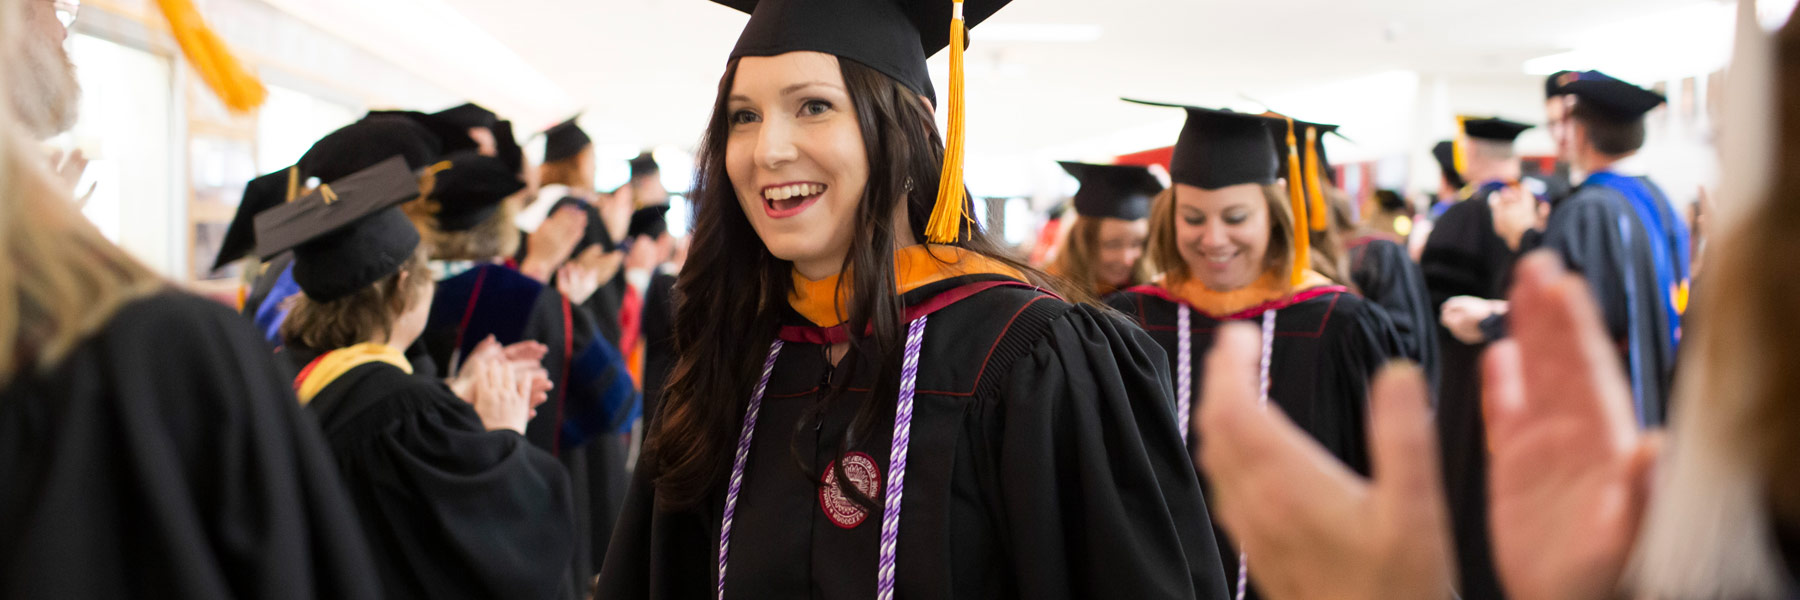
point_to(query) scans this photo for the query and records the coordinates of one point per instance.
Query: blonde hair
(1074, 261)
(1164, 252)
(492, 238)
(61, 280)
(361, 316)
(1727, 478)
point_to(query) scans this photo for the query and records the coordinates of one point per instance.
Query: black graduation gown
(593, 401)
(1390, 279)
(1044, 464)
(659, 339)
(1329, 343)
(450, 509)
(130, 470)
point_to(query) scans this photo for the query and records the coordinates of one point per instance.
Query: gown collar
(823, 303)
(1271, 290)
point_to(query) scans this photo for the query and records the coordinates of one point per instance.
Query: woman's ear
(929, 108)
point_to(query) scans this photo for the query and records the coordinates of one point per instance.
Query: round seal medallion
(863, 473)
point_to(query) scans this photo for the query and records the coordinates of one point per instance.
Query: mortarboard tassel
(1297, 200)
(236, 88)
(1315, 185)
(1459, 149)
(947, 217)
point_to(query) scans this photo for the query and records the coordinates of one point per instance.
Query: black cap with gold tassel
(893, 37)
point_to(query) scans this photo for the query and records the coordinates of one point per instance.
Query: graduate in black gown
(349, 149)
(1618, 231)
(454, 500)
(1388, 277)
(149, 447)
(466, 221)
(1466, 263)
(1104, 251)
(1233, 245)
(869, 399)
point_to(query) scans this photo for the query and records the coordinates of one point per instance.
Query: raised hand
(1568, 469)
(1312, 528)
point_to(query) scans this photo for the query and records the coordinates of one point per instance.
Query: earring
(909, 184)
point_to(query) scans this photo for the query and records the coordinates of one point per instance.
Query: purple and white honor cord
(737, 463)
(1184, 371)
(896, 483)
(1262, 400)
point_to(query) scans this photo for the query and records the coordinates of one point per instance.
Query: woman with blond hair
(1104, 251)
(148, 443)
(1234, 246)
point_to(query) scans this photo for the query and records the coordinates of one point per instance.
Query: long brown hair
(60, 279)
(1727, 481)
(1074, 262)
(731, 291)
(1164, 252)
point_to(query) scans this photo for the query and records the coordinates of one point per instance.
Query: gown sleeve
(598, 390)
(1354, 354)
(1100, 498)
(474, 513)
(1585, 231)
(1393, 283)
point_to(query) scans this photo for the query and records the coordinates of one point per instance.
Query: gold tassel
(947, 215)
(237, 89)
(293, 190)
(1297, 200)
(1459, 150)
(1315, 185)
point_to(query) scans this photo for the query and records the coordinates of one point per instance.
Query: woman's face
(1223, 234)
(795, 156)
(1120, 244)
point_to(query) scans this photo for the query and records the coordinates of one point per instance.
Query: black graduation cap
(468, 115)
(452, 136)
(1550, 84)
(262, 193)
(1220, 148)
(347, 234)
(891, 36)
(1114, 191)
(506, 147)
(1390, 200)
(1445, 153)
(469, 190)
(1493, 129)
(650, 220)
(565, 140)
(1301, 138)
(644, 164)
(365, 143)
(1613, 97)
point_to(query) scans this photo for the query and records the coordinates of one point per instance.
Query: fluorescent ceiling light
(1038, 32)
(1678, 43)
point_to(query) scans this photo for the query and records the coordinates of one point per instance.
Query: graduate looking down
(872, 399)
(1233, 244)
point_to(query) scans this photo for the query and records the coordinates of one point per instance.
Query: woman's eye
(1236, 219)
(742, 117)
(1195, 221)
(815, 107)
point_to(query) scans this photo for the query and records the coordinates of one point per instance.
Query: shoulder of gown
(203, 452)
(454, 509)
(1083, 433)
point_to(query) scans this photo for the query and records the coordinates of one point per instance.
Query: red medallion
(863, 473)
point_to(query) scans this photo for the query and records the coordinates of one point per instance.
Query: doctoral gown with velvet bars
(1044, 464)
(592, 404)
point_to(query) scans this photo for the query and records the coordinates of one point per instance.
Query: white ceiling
(645, 71)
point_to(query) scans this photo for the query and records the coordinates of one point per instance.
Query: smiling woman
(816, 179)
(1228, 238)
